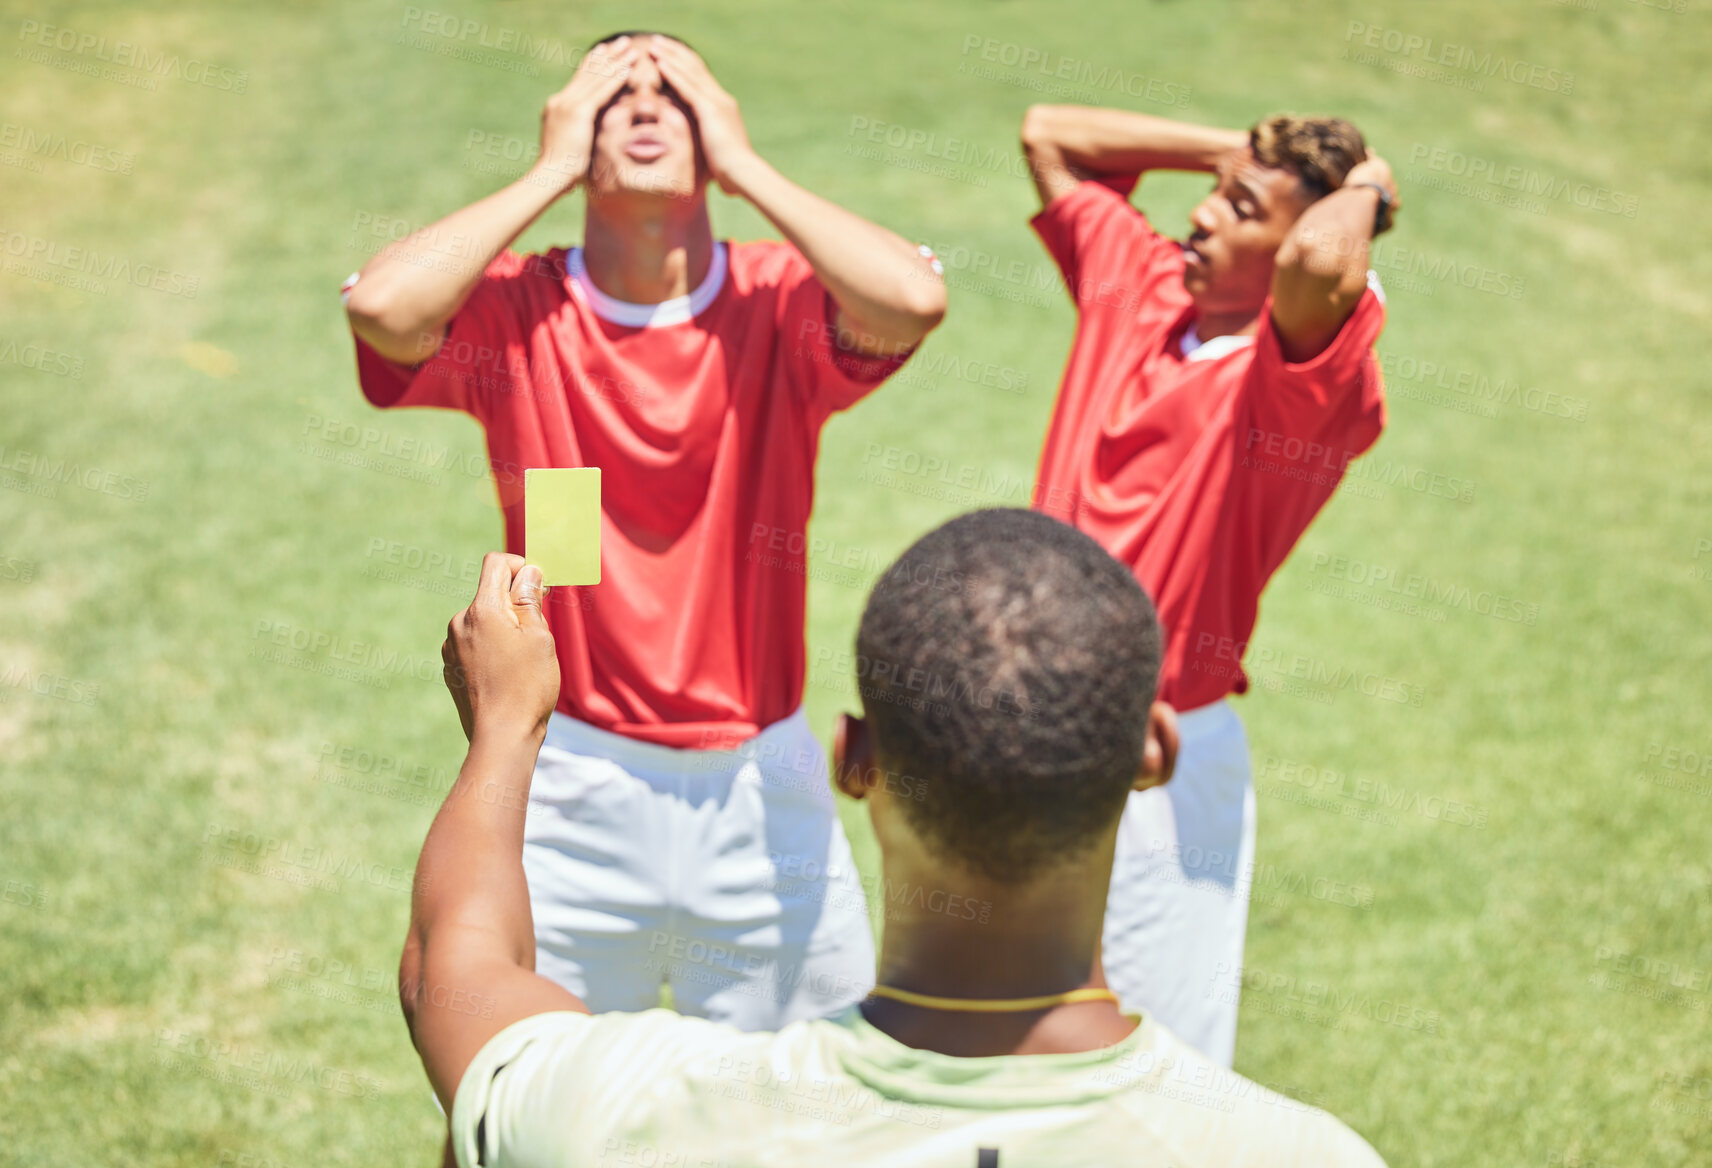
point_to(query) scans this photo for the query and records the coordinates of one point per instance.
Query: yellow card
(561, 523)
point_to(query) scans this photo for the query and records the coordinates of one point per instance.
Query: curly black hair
(1008, 663)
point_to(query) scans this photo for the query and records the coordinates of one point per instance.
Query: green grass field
(1482, 926)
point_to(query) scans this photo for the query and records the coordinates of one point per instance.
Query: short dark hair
(1319, 151)
(636, 32)
(1008, 663)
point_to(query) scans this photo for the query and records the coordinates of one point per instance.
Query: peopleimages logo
(1373, 792)
(1479, 388)
(54, 471)
(87, 261)
(1073, 71)
(1318, 464)
(1418, 586)
(362, 654)
(1429, 51)
(130, 55)
(50, 685)
(77, 151)
(466, 31)
(1222, 656)
(40, 358)
(1523, 180)
(1385, 255)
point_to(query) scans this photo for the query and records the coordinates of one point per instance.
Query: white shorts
(723, 873)
(1177, 912)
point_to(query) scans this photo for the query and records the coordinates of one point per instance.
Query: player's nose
(646, 86)
(647, 97)
(1204, 218)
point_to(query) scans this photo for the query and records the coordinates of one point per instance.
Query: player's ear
(852, 755)
(1159, 757)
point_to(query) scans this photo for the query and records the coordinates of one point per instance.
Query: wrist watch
(1381, 214)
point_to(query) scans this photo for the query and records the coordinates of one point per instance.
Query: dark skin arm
(1067, 144)
(1321, 268)
(468, 968)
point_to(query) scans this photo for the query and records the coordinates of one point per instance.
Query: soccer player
(680, 795)
(990, 1039)
(1216, 390)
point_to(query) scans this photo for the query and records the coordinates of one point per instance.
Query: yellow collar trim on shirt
(993, 1005)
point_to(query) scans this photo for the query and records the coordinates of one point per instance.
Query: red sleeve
(1109, 253)
(486, 342)
(1340, 386)
(808, 329)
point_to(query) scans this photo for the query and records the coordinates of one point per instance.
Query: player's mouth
(1192, 255)
(645, 148)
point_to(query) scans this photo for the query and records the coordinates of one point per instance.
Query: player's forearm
(411, 288)
(469, 877)
(1329, 242)
(1119, 142)
(887, 291)
(1321, 270)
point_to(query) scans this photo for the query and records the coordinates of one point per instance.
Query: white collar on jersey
(623, 312)
(1195, 349)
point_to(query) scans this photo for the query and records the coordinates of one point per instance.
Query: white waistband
(1206, 721)
(775, 743)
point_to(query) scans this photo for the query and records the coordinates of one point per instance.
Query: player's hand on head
(500, 664)
(568, 118)
(724, 141)
(1374, 169)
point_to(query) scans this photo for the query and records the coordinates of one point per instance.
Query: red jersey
(704, 416)
(1199, 471)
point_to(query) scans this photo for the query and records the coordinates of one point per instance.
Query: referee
(991, 1038)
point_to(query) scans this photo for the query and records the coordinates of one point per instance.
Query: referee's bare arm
(409, 290)
(1065, 144)
(467, 971)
